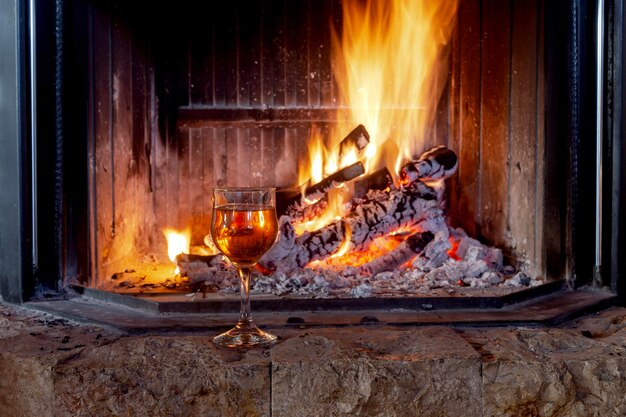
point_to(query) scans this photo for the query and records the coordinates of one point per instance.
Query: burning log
(378, 180)
(383, 212)
(435, 164)
(380, 213)
(302, 212)
(317, 191)
(407, 250)
(290, 200)
(294, 204)
(358, 139)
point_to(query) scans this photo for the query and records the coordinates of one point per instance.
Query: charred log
(383, 212)
(317, 191)
(295, 204)
(380, 213)
(285, 255)
(407, 250)
(302, 212)
(435, 164)
(378, 180)
(357, 140)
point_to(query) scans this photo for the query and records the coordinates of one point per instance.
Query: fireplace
(139, 111)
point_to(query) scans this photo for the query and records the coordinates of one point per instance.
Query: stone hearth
(53, 367)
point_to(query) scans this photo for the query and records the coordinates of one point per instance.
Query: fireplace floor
(143, 315)
(53, 366)
(177, 301)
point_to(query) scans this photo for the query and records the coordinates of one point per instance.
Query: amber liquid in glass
(244, 232)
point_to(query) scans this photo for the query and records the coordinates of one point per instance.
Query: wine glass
(244, 227)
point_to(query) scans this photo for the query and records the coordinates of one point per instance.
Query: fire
(177, 243)
(322, 161)
(313, 171)
(345, 246)
(334, 210)
(390, 61)
(390, 57)
(378, 247)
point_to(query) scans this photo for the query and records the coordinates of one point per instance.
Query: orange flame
(391, 68)
(313, 171)
(390, 55)
(322, 161)
(346, 245)
(177, 243)
(334, 211)
(377, 248)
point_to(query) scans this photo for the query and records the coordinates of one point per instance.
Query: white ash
(322, 284)
(508, 269)
(361, 291)
(472, 265)
(453, 270)
(492, 278)
(481, 267)
(435, 253)
(472, 250)
(521, 279)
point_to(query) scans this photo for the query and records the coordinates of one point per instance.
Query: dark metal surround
(615, 228)
(14, 199)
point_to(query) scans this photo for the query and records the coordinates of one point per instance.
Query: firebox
(481, 140)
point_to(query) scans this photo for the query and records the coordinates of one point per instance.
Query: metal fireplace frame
(43, 215)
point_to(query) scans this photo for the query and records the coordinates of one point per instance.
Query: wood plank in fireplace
(100, 153)
(525, 142)
(464, 204)
(279, 117)
(495, 139)
(496, 109)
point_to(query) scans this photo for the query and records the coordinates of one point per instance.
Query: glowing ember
(375, 249)
(177, 243)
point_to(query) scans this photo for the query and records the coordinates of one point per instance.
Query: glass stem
(244, 279)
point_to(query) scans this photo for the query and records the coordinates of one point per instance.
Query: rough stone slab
(555, 372)
(30, 346)
(168, 376)
(376, 372)
(51, 367)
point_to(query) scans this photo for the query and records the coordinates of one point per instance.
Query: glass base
(244, 334)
